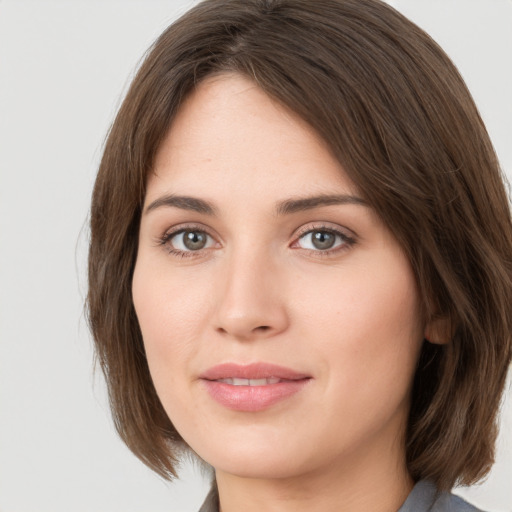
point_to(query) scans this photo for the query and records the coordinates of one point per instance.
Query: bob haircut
(398, 117)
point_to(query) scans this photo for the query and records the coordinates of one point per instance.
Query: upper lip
(251, 371)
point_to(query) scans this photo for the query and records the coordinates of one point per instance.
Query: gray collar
(423, 498)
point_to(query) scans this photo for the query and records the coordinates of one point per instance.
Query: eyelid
(327, 226)
(186, 226)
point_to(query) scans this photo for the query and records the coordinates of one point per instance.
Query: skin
(261, 291)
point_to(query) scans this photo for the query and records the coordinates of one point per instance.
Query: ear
(439, 330)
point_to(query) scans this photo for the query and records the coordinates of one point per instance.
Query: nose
(251, 303)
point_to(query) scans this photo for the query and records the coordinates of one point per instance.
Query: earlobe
(439, 330)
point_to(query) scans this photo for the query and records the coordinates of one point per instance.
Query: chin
(264, 456)
(259, 465)
(259, 455)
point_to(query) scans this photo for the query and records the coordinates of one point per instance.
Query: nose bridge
(250, 303)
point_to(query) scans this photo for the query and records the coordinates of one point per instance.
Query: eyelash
(347, 241)
(169, 235)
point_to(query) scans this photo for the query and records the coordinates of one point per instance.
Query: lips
(251, 371)
(253, 387)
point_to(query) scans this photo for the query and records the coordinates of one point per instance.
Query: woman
(300, 260)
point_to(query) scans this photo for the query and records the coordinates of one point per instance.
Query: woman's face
(280, 317)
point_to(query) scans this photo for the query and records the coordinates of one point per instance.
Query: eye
(188, 240)
(323, 240)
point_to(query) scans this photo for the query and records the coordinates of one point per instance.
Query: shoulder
(451, 503)
(426, 498)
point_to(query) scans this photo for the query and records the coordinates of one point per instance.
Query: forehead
(228, 131)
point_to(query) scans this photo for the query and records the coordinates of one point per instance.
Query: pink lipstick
(252, 387)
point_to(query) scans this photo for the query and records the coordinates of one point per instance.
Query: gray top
(423, 498)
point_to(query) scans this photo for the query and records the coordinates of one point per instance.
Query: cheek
(366, 322)
(170, 309)
(171, 312)
(363, 305)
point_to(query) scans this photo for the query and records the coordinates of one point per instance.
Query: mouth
(254, 387)
(250, 382)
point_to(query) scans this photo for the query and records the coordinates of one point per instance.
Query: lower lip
(252, 398)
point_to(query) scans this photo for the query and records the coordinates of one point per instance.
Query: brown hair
(399, 118)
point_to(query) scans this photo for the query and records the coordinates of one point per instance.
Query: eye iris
(194, 240)
(323, 239)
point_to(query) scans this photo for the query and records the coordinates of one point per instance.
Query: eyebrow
(308, 203)
(286, 207)
(183, 202)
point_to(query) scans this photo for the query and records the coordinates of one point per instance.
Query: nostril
(262, 328)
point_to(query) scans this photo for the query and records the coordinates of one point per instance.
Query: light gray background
(64, 66)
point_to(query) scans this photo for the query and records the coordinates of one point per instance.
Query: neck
(355, 484)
